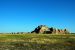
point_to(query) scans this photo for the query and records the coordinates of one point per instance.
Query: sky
(26, 15)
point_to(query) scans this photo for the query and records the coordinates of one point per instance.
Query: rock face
(40, 29)
(43, 29)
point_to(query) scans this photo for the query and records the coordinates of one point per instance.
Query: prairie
(37, 41)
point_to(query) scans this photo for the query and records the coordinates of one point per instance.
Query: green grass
(37, 42)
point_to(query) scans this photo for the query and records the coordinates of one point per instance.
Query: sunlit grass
(37, 41)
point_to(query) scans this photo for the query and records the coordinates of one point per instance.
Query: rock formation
(43, 29)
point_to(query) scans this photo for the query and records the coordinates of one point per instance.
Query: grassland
(37, 42)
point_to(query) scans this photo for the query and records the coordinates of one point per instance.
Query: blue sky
(25, 15)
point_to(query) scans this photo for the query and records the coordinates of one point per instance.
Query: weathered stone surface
(43, 29)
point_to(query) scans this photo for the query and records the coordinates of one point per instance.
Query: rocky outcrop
(43, 29)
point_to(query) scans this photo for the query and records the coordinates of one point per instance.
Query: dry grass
(37, 42)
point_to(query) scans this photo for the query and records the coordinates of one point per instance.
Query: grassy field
(37, 42)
